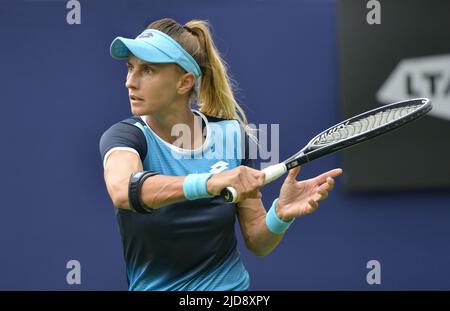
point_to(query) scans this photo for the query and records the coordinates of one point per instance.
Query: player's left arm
(252, 215)
(297, 198)
(252, 220)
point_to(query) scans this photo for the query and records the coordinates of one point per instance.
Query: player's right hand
(247, 182)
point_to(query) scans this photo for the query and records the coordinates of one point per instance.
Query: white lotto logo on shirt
(219, 167)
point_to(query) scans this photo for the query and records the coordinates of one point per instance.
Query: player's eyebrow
(142, 64)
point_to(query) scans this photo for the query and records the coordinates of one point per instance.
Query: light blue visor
(154, 46)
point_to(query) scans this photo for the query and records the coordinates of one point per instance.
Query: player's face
(151, 87)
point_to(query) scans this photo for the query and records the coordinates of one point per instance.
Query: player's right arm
(156, 191)
(160, 190)
(123, 147)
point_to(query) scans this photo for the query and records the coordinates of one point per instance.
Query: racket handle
(272, 173)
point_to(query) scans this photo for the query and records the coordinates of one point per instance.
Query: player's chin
(138, 108)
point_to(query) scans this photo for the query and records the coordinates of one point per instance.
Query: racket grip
(272, 173)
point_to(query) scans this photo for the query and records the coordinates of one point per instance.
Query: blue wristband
(194, 186)
(275, 224)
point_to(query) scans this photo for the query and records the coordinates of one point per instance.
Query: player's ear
(185, 83)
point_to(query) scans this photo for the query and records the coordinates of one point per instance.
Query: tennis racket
(355, 130)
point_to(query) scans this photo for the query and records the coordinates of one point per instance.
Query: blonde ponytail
(215, 92)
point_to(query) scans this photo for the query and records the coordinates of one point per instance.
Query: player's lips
(135, 98)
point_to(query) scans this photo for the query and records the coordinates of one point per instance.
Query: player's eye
(148, 69)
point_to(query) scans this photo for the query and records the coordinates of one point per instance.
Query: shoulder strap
(132, 121)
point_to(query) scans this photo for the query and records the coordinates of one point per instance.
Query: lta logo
(427, 76)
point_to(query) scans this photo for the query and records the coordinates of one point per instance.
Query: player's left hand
(298, 198)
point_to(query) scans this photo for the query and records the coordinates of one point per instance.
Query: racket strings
(366, 124)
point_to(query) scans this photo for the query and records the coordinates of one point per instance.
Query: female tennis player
(165, 167)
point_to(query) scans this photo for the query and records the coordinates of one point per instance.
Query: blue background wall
(60, 90)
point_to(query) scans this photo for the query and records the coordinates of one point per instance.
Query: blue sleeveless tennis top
(189, 245)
